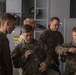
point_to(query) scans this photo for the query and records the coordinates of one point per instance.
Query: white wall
(14, 6)
(60, 8)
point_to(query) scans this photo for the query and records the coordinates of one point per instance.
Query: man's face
(28, 36)
(54, 25)
(74, 36)
(11, 26)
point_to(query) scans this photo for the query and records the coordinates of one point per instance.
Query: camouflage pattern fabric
(30, 66)
(5, 58)
(70, 57)
(52, 39)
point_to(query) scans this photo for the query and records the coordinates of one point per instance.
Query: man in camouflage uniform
(7, 25)
(69, 51)
(52, 37)
(30, 55)
(31, 22)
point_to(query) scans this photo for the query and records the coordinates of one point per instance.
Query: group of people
(36, 57)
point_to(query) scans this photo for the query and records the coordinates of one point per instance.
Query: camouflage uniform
(5, 59)
(21, 39)
(70, 68)
(30, 66)
(52, 39)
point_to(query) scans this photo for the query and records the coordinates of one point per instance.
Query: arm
(43, 37)
(60, 38)
(48, 56)
(62, 49)
(65, 48)
(47, 62)
(18, 58)
(5, 59)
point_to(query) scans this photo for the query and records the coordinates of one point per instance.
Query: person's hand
(72, 50)
(43, 66)
(27, 53)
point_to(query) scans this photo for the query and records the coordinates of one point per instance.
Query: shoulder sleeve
(62, 49)
(18, 57)
(60, 38)
(47, 54)
(43, 37)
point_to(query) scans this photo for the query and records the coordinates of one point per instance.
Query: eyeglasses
(56, 24)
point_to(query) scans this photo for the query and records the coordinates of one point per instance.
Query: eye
(56, 25)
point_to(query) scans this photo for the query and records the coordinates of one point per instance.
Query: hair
(30, 21)
(7, 16)
(26, 28)
(54, 18)
(74, 29)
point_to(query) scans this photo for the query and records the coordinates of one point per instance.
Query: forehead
(55, 21)
(74, 33)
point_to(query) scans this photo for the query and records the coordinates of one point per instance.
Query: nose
(57, 26)
(29, 37)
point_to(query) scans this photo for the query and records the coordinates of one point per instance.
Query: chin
(28, 42)
(56, 30)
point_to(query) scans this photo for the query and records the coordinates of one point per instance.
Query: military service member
(30, 54)
(52, 37)
(7, 25)
(29, 21)
(69, 50)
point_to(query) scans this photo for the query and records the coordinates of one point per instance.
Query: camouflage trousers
(52, 72)
(70, 70)
(69, 73)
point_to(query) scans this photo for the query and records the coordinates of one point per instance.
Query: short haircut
(7, 16)
(26, 28)
(74, 29)
(55, 18)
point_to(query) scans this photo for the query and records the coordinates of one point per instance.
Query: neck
(3, 31)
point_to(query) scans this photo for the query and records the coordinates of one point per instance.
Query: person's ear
(7, 23)
(50, 23)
